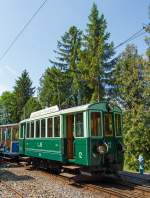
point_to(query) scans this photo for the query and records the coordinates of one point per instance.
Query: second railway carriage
(88, 135)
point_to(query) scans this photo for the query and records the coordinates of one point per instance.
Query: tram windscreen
(96, 124)
(108, 124)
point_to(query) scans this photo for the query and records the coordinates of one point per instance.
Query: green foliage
(129, 78)
(95, 61)
(23, 90)
(83, 63)
(67, 60)
(31, 106)
(131, 85)
(8, 107)
(137, 136)
(54, 88)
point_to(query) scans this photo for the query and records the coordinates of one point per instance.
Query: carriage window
(108, 124)
(118, 124)
(57, 127)
(96, 124)
(21, 130)
(37, 128)
(79, 125)
(15, 133)
(28, 129)
(49, 127)
(43, 128)
(32, 129)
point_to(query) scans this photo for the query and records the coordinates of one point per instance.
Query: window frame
(117, 113)
(21, 132)
(32, 121)
(102, 131)
(59, 116)
(41, 127)
(74, 128)
(112, 114)
(52, 127)
(27, 124)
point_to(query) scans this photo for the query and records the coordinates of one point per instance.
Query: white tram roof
(54, 110)
(9, 125)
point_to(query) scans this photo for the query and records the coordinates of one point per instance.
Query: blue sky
(35, 47)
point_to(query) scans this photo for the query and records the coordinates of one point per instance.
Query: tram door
(70, 137)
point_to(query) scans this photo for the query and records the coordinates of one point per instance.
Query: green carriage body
(83, 145)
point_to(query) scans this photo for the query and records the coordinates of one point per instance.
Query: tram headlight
(102, 149)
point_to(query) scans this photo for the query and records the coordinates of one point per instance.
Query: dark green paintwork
(52, 149)
(85, 152)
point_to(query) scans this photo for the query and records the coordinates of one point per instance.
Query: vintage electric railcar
(88, 135)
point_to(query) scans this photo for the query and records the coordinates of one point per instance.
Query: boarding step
(23, 163)
(71, 167)
(25, 159)
(68, 175)
(7, 159)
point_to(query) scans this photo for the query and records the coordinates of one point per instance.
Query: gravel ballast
(36, 183)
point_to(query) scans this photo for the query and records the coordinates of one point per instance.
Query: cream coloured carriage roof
(52, 111)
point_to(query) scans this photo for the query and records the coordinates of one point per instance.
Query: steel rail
(12, 189)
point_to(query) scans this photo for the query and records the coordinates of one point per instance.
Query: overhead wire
(132, 37)
(23, 29)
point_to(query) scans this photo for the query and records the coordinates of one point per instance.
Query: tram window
(37, 128)
(49, 127)
(15, 133)
(32, 129)
(57, 127)
(79, 125)
(96, 124)
(28, 129)
(21, 130)
(43, 128)
(118, 124)
(108, 124)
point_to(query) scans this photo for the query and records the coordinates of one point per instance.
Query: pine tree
(67, 61)
(54, 88)
(31, 105)
(23, 90)
(95, 62)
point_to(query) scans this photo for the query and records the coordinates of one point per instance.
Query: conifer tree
(67, 61)
(31, 105)
(54, 88)
(95, 62)
(23, 90)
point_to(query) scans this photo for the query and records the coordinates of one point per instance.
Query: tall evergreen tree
(67, 61)
(54, 88)
(23, 90)
(95, 61)
(129, 78)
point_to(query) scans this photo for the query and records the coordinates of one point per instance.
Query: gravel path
(37, 184)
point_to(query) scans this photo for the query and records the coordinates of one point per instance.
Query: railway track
(10, 188)
(110, 189)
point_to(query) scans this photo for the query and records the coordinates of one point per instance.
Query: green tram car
(89, 136)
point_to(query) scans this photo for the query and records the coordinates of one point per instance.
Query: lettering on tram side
(39, 145)
(80, 155)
